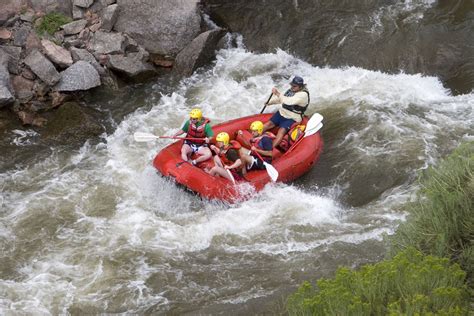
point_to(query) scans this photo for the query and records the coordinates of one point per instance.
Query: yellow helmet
(223, 137)
(195, 114)
(257, 126)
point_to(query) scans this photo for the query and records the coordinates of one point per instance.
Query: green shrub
(408, 284)
(51, 23)
(441, 220)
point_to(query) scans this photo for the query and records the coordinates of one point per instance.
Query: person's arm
(209, 133)
(274, 99)
(300, 98)
(267, 147)
(236, 164)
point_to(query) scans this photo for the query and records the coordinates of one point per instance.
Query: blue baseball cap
(297, 80)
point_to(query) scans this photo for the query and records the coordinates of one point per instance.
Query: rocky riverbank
(53, 51)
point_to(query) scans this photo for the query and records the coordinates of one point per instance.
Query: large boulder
(132, 65)
(80, 76)
(108, 43)
(14, 54)
(161, 26)
(74, 27)
(63, 6)
(197, 54)
(109, 17)
(57, 54)
(42, 67)
(8, 8)
(83, 54)
(6, 97)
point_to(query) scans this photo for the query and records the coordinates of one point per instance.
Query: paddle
(314, 124)
(266, 103)
(272, 172)
(146, 137)
(231, 176)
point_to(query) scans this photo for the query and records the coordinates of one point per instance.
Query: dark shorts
(281, 121)
(257, 164)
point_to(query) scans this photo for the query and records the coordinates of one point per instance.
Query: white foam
(110, 202)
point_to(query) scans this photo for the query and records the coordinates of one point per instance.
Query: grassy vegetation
(416, 280)
(441, 220)
(51, 23)
(408, 284)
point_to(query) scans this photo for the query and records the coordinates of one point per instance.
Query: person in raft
(294, 103)
(260, 143)
(227, 158)
(198, 128)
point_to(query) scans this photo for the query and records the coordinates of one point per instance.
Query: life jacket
(256, 142)
(195, 131)
(295, 132)
(298, 109)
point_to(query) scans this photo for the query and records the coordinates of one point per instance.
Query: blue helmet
(297, 80)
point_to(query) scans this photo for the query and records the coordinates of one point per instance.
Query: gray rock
(57, 54)
(197, 54)
(132, 65)
(78, 13)
(42, 67)
(8, 10)
(109, 17)
(107, 43)
(74, 27)
(6, 96)
(83, 54)
(20, 35)
(83, 3)
(161, 26)
(62, 6)
(23, 88)
(14, 53)
(28, 16)
(80, 76)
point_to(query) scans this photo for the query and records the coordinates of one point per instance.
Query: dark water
(88, 227)
(418, 36)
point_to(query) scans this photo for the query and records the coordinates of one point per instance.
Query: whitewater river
(98, 230)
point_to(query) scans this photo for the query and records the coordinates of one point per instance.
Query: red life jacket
(195, 131)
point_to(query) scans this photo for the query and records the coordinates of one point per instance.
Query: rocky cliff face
(429, 37)
(102, 42)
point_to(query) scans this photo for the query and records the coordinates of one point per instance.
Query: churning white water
(97, 230)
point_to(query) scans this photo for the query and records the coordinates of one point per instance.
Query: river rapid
(96, 229)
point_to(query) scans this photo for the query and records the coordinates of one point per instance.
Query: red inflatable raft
(290, 165)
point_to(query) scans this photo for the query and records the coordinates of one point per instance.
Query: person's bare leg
(218, 161)
(185, 152)
(279, 136)
(267, 126)
(220, 171)
(204, 154)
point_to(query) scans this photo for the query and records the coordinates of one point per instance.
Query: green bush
(408, 284)
(441, 220)
(51, 23)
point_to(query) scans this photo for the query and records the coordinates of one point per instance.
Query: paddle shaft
(266, 103)
(183, 138)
